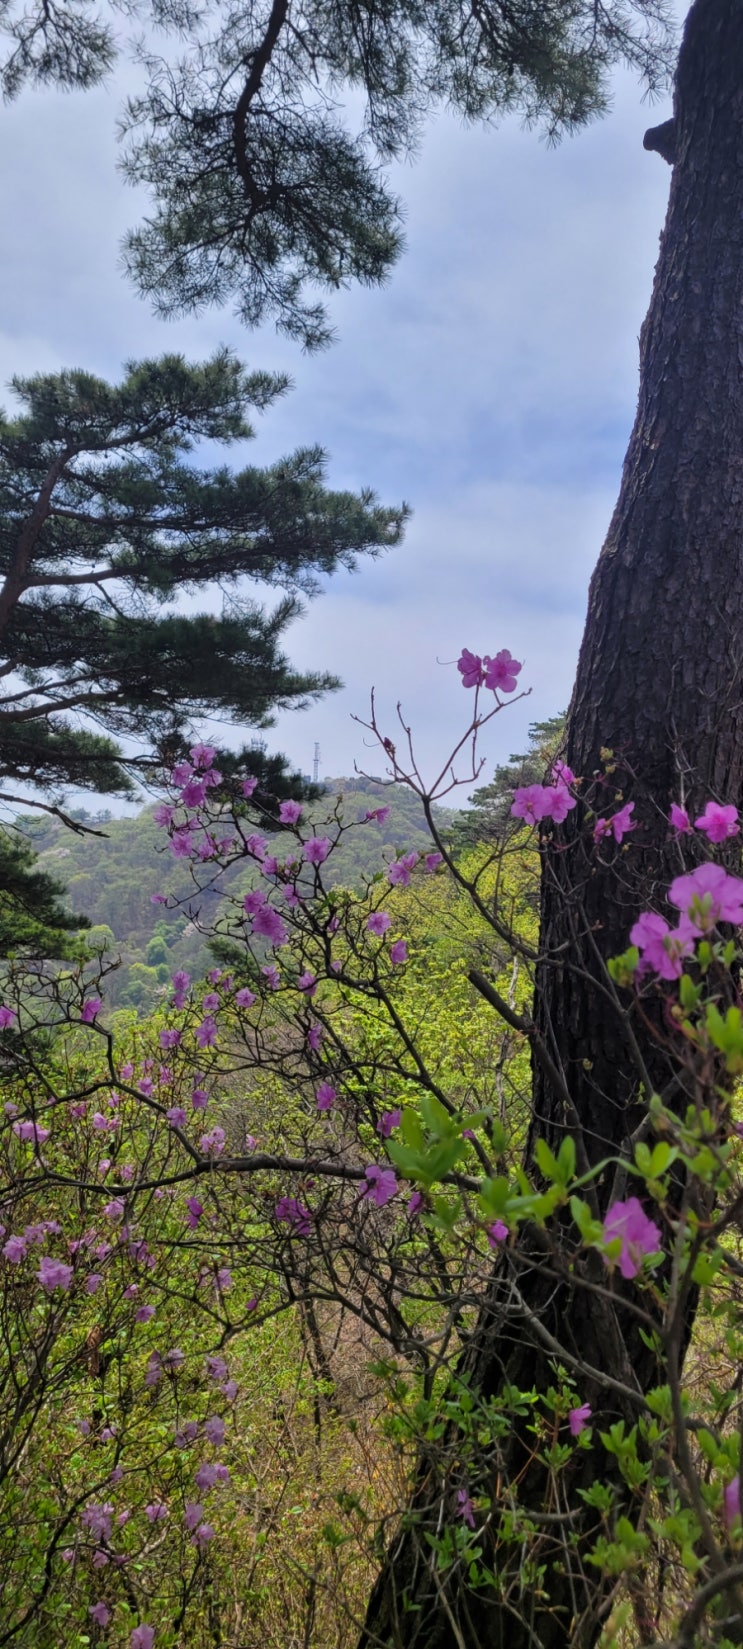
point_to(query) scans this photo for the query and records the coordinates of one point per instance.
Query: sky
(491, 383)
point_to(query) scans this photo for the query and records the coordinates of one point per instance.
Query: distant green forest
(111, 878)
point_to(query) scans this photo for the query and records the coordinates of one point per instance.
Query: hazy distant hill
(111, 878)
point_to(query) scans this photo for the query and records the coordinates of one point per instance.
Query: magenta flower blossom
(15, 1250)
(469, 666)
(272, 975)
(316, 850)
(193, 793)
(216, 1368)
(269, 925)
(708, 895)
(90, 1009)
(381, 814)
(314, 1037)
(93, 1282)
(621, 822)
(100, 1613)
(380, 1185)
(578, 1419)
(326, 1097)
(31, 1131)
(398, 952)
(244, 998)
(433, 860)
(8, 1017)
(203, 1535)
(202, 755)
(678, 819)
(290, 812)
(399, 872)
(292, 1212)
(163, 815)
(378, 923)
(530, 802)
(558, 803)
(97, 1520)
(195, 1210)
(731, 1503)
(247, 787)
(143, 1313)
(307, 983)
(210, 1003)
(388, 1121)
(256, 845)
(501, 672)
(199, 1099)
(192, 1515)
(465, 1508)
(180, 844)
(213, 1142)
(639, 1235)
(206, 1033)
(143, 1637)
(54, 1274)
(497, 1233)
(663, 949)
(181, 982)
(718, 822)
(206, 1477)
(156, 1512)
(223, 1280)
(181, 773)
(270, 866)
(214, 1430)
(115, 1208)
(169, 1039)
(176, 1116)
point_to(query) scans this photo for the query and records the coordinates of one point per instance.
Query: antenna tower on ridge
(316, 764)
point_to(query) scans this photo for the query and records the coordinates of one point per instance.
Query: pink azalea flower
(326, 1097)
(54, 1274)
(316, 850)
(269, 925)
(381, 1185)
(216, 1368)
(381, 814)
(180, 845)
(731, 1503)
(15, 1250)
(314, 1037)
(530, 802)
(202, 755)
(114, 1209)
(378, 923)
(578, 1419)
(247, 787)
(193, 793)
(203, 1535)
(193, 1514)
(497, 1233)
(663, 949)
(212, 1143)
(679, 820)
(210, 1003)
(639, 1235)
(143, 1637)
(256, 845)
(199, 1099)
(176, 1116)
(415, 1203)
(90, 1009)
(8, 1017)
(169, 1039)
(718, 822)
(399, 872)
(270, 866)
(398, 952)
(708, 895)
(100, 1614)
(206, 1033)
(156, 1512)
(433, 860)
(214, 1430)
(307, 983)
(195, 1211)
(465, 1508)
(93, 1282)
(501, 672)
(31, 1131)
(469, 666)
(294, 1213)
(181, 773)
(163, 815)
(223, 1280)
(621, 822)
(388, 1121)
(144, 1313)
(272, 975)
(290, 812)
(558, 803)
(244, 998)
(561, 773)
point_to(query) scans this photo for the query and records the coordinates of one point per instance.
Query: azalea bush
(317, 1160)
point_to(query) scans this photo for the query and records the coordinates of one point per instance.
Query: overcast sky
(492, 384)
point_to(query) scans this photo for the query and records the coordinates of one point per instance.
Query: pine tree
(261, 193)
(105, 521)
(33, 921)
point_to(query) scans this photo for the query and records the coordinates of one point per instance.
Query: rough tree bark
(659, 682)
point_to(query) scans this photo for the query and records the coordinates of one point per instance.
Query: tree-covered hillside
(112, 876)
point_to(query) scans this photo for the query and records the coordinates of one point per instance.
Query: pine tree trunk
(660, 683)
